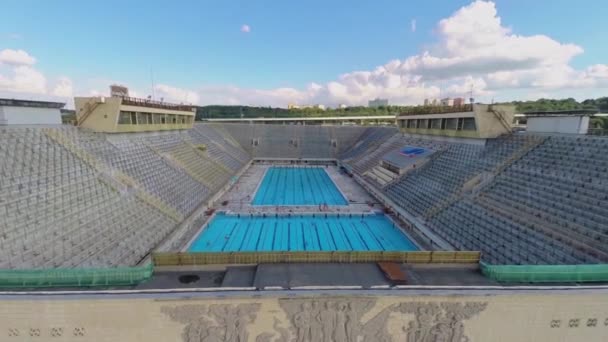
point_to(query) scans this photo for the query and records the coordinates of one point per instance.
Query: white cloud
(63, 88)
(476, 86)
(16, 57)
(599, 71)
(20, 78)
(473, 42)
(176, 95)
(474, 50)
(24, 79)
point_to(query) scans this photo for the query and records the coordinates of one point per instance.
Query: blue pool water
(230, 233)
(297, 186)
(413, 151)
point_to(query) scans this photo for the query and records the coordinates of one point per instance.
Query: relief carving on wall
(439, 322)
(327, 320)
(215, 322)
(331, 320)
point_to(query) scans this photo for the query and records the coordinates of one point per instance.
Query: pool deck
(241, 195)
(300, 275)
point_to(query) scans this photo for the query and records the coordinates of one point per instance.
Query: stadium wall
(424, 314)
(556, 124)
(10, 115)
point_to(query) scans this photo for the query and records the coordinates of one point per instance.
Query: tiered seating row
(56, 212)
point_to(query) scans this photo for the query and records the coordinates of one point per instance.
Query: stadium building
(140, 225)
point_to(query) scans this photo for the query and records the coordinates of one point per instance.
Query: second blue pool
(298, 186)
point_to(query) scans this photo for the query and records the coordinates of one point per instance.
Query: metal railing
(437, 109)
(133, 101)
(203, 258)
(546, 273)
(75, 277)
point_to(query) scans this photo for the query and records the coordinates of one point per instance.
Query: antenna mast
(471, 94)
(152, 80)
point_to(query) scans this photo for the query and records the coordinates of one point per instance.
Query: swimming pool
(356, 232)
(298, 186)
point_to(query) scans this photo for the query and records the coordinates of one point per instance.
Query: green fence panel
(546, 273)
(75, 277)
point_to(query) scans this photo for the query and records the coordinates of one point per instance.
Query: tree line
(216, 111)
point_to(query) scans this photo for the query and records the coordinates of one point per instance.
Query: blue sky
(296, 51)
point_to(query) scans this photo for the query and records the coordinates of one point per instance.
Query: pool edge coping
(337, 187)
(198, 233)
(257, 188)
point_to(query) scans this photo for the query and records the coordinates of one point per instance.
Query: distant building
(26, 112)
(459, 101)
(342, 106)
(296, 106)
(377, 102)
(430, 102)
(448, 102)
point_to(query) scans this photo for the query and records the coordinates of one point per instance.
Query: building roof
(30, 103)
(320, 118)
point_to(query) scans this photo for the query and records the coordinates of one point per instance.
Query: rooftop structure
(119, 91)
(466, 121)
(128, 114)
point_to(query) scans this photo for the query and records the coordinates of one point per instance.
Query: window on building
(163, 119)
(435, 123)
(468, 124)
(423, 123)
(133, 118)
(149, 118)
(124, 118)
(174, 119)
(451, 124)
(141, 118)
(156, 119)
